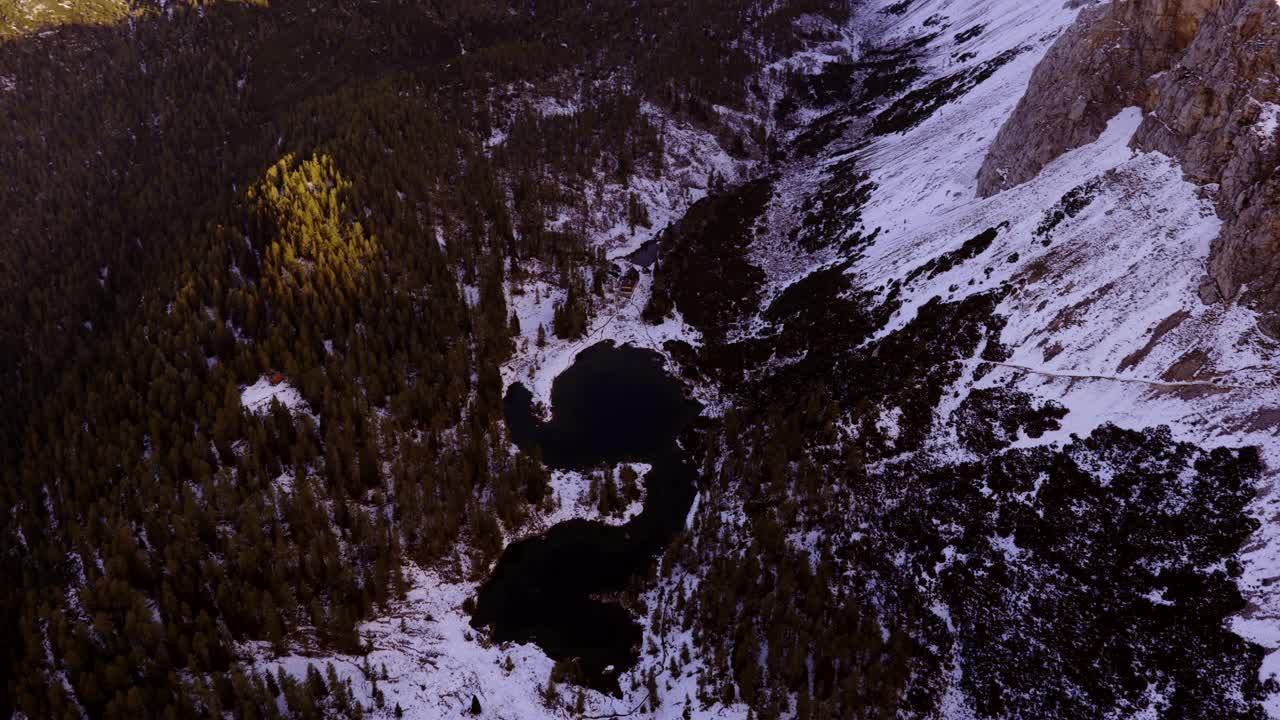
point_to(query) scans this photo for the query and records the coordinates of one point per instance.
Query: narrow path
(1167, 384)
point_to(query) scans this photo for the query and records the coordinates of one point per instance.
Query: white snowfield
(434, 664)
(257, 397)
(1087, 322)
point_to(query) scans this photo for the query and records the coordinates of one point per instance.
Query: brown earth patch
(1165, 327)
(1189, 367)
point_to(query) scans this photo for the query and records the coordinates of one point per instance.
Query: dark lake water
(614, 404)
(646, 255)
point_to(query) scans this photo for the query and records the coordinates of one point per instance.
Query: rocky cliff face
(1205, 72)
(1216, 111)
(1098, 67)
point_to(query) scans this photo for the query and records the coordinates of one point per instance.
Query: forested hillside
(198, 196)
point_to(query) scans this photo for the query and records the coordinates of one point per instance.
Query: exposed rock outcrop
(1205, 72)
(1218, 112)
(1097, 68)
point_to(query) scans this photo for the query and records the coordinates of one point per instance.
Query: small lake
(646, 255)
(614, 404)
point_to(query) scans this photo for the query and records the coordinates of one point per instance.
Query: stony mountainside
(1216, 110)
(1101, 64)
(1204, 71)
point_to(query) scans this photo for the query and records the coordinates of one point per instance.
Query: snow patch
(257, 397)
(1268, 121)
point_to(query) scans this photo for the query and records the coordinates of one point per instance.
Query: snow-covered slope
(1101, 254)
